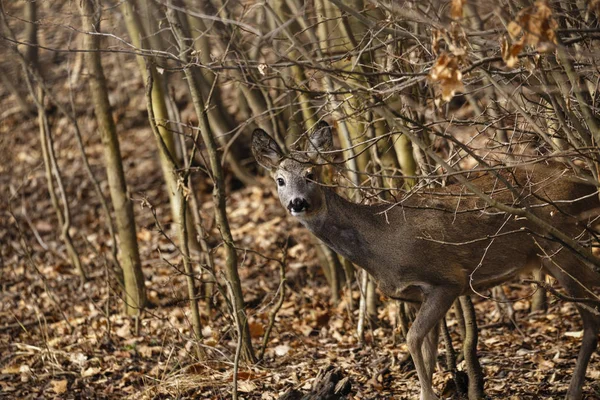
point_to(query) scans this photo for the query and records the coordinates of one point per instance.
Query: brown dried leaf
(456, 8)
(575, 334)
(450, 87)
(537, 26)
(443, 68)
(447, 74)
(510, 53)
(246, 386)
(146, 351)
(11, 369)
(545, 47)
(436, 36)
(44, 227)
(306, 330)
(543, 364)
(246, 376)
(282, 350)
(123, 331)
(59, 387)
(514, 29)
(144, 235)
(547, 25)
(504, 47)
(594, 6)
(5, 387)
(256, 329)
(90, 372)
(458, 44)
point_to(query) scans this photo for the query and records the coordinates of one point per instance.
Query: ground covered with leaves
(60, 338)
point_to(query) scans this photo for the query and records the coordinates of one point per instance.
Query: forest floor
(63, 339)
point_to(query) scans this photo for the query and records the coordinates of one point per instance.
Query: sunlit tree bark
(231, 266)
(135, 293)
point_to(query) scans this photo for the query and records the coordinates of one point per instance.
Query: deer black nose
(298, 205)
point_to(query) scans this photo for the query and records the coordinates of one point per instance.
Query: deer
(434, 246)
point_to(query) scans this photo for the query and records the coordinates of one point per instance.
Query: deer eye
(280, 182)
(310, 176)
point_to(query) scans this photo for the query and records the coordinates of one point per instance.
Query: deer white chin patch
(298, 213)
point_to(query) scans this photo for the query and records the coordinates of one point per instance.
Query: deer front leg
(438, 300)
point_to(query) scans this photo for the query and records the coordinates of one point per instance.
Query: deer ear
(320, 140)
(266, 150)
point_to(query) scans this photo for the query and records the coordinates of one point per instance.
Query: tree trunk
(135, 294)
(159, 105)
(231, 271)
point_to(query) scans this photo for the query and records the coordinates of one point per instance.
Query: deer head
(295, 175)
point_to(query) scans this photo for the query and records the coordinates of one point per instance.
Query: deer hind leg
(589, 343)
(430, 350)
(421, 341)
(572, 275)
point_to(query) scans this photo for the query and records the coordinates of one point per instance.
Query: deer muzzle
(298, 205)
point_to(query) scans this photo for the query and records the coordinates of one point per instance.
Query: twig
(582, 301)
(277, 306)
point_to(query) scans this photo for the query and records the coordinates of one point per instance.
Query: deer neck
(344, 226)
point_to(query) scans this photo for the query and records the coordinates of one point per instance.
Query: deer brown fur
(434, 246)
